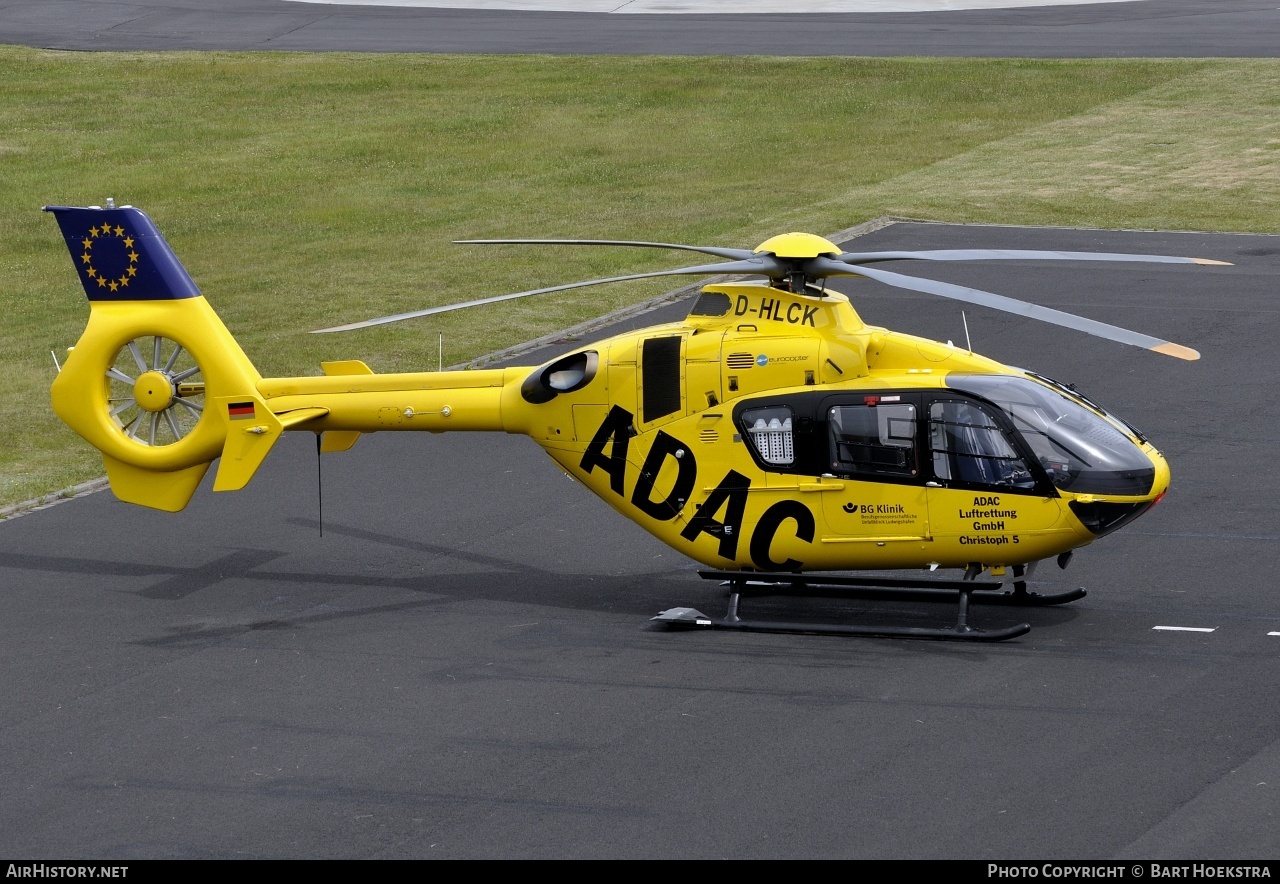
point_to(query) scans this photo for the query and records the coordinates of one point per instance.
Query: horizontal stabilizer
(345, 367)
(252, 429)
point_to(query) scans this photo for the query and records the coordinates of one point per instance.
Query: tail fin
(156, 382)
(121, 256)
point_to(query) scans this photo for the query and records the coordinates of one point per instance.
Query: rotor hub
(797, 245)
(153, 391)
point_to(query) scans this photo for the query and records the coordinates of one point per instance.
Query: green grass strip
(307, 190)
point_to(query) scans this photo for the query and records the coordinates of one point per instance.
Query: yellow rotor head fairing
(797, 245)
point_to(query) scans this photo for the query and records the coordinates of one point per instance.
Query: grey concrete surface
(1183, 28)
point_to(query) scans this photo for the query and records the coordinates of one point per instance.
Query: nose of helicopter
(1160, 486)
(1104, 516)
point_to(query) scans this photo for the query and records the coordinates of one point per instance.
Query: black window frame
(812, 436)
(876, 465)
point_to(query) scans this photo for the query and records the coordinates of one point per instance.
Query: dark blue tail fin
(121, 256)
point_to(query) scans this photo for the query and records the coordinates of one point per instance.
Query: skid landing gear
(963, 592)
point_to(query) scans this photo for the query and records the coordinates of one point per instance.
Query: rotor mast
(800, 252)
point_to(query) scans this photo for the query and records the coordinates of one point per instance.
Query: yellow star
(85, 257)
(128, 243)
(124, 281)
(114, 285)
(133, 256)
(92, 272)
(132, 271)
(102, 282)
(119, 231)
(88, 243)
(93, 231)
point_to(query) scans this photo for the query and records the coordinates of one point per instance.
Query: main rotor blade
(761, 265)
(1022, 308)
(1014, 255)
(737, 254)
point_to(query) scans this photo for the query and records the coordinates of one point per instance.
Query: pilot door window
(875, 439)
(969, 448)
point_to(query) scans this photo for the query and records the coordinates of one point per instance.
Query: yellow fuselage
(687, 475)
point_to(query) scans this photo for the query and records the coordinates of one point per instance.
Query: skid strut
(962, 592)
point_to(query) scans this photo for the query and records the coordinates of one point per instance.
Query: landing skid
(963, 592)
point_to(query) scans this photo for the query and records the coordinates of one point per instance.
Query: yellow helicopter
(769, 435)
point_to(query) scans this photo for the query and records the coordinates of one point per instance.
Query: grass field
(303, 191)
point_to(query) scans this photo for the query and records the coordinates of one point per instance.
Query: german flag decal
(239, 411)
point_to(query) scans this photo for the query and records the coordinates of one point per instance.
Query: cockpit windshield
(1071, 392)
(1081, 451)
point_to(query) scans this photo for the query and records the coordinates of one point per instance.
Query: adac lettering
(665, 446)
(720, 516)
(773, 308)
(986, 514)
(768, 525)
(615, 431)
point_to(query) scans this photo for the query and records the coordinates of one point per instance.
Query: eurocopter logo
(762, 360)
(114, 255)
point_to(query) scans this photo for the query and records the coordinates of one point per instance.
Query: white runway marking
(1273, 633)
(1185, 628)
(715, 7)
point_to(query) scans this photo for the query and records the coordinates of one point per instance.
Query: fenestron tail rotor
(155, 391)
(798, 261)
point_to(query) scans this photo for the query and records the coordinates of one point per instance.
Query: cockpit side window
(969, 447)
(877, 439)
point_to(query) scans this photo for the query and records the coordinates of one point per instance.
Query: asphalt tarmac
(1153, 28)
(462, 665)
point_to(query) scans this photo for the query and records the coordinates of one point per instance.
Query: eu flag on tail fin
(121, 256)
